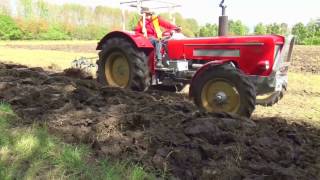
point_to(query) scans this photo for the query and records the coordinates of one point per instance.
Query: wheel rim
(220, 96)
(117, 70)
(265, 96)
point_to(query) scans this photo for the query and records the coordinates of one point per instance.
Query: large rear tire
(122, 65)
(224, 88)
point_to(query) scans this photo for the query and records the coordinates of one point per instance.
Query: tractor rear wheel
(122, 65)
(224, 88)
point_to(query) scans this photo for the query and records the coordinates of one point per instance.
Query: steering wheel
(168, 33)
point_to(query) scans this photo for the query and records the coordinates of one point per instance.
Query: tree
(42, 8)
(284, 29)
(237, 28)
(274, 28)
(75, 14)
(313, 33)
(186, 25)
(5, 7)
(26, 8)
(312, 28)
(133, 20)
(9, 29)
(189, 26)
(318, 21)
(192, 25)
(208, 30)
(260, 29)
(300, 31)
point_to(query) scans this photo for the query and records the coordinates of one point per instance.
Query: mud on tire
(233, 76)
(139, 79)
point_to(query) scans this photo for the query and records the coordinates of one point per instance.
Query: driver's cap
(146, 10)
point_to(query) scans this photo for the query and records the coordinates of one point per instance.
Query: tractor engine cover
(254, 55)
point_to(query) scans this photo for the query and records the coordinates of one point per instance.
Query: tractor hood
(243, 50)
(183, 48)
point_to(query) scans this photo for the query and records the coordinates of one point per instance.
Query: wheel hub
(220, 98)
(219, 95)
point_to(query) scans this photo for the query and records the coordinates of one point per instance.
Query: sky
(250, 12)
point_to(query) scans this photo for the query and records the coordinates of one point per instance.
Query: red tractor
(225, 73)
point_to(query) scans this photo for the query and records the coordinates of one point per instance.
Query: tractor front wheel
(122, 65)
(271, 98)
(224, 88)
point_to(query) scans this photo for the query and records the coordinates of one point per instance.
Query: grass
(32, 153)
(300, 103)
(41, 58)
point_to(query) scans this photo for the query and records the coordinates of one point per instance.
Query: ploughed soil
(163, 131)
(84, 48)
(306, 59)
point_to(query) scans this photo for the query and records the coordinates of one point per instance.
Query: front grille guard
(281, 71)
(282, 63)
(278, 79)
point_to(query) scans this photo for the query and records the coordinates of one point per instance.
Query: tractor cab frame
(140, 5)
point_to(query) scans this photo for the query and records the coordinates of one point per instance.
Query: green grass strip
(32, 153)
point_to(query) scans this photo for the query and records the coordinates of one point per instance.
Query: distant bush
(312, 41)
(9, 29)
(31, 29)
(41, 30)
(89, 32)
(55, 32)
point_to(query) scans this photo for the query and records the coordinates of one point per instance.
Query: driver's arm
(165, 24)
(138, 28)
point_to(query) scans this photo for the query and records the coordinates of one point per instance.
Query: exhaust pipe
(223, 20)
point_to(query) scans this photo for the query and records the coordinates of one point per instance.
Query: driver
(153, 31)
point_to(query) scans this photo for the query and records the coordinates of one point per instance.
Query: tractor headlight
(264, 65)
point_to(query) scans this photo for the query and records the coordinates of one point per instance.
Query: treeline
(308, 34)
(235, 28)
(37, 19)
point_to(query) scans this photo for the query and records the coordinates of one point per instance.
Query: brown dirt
(89, 48)
(306, 59)
(161, 130)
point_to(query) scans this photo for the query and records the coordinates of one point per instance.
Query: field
(158, 132)
(49, 54)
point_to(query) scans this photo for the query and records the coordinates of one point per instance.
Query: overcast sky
(250, 12)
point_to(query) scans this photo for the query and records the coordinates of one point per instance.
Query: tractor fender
(137, 39)
(203, 69)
